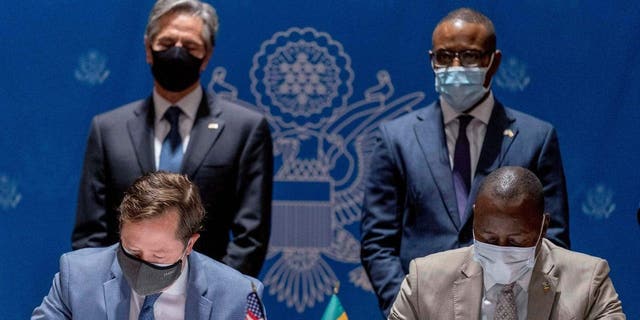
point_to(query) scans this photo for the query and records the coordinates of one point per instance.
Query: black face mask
(175, 69)
(146, 278)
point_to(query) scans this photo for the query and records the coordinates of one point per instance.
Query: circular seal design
(302, 77)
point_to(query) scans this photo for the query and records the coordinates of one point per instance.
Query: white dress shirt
(490, 297)
(189, 106)
(171, 303)
(476, 130)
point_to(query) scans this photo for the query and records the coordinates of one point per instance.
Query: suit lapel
(141, 133)
(197, 305)
(117, 294)
(467, 291)
(543, 288)
(501, 132)
(431, 138)
(206, 129)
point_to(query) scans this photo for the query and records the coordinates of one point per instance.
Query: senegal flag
(334, 310)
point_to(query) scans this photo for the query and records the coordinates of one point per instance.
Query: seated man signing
(511, 271)
(153, 270)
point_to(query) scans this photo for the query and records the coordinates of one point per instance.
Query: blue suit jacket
(90, 285)
(229, 158)
(410, 206)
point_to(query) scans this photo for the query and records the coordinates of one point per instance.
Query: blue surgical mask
(461, 87)
(505, 264)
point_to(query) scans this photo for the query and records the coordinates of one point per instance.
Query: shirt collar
(523, 281)
(482, 112)
(188, 104)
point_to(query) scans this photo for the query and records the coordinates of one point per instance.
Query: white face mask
(461, 87)
(505, 264)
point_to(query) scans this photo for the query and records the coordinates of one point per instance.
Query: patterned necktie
(171, 152)
(506, 308)
(462, 166)
(146, 312)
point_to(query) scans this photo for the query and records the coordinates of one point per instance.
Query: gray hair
(196, 8)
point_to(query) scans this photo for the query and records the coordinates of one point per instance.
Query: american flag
(254, 307)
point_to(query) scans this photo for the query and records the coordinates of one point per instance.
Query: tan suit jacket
(564, 285)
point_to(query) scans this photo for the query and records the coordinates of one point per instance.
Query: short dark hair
(153, 194)
(511, 183)
(472, 16)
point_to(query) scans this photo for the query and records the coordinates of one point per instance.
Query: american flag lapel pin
(508, 133)
(213, 126)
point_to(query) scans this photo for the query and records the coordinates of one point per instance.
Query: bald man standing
(511, 271)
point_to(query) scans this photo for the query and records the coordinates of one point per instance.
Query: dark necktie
(506, 308)
(171, 153)
(146, 312)
(462, 167)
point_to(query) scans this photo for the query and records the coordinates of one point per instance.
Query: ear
(497, 58)
(191, 242)
(147, 50)
(206, 59)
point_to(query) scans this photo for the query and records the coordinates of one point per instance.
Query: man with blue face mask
(426, 167)
(511, 272)
(153, 272)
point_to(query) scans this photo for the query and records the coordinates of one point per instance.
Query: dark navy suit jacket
(410, 208)
(229, 157)
(91, 285)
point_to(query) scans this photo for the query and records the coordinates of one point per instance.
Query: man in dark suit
(153, 273)
(424, 174)
(224, 148)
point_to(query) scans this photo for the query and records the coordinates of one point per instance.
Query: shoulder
(87, 267)
(222, 275)
(90, 257)
(574, 263)
(524, 119)
(123, 112)
(444, 262)
(235, 110)
(406, 121)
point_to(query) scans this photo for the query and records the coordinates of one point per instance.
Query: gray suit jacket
(90, 285)
(564, 285)
(229, 157)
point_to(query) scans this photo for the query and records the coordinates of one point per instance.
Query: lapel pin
(546, 287)
(508, 133)
(213, 125)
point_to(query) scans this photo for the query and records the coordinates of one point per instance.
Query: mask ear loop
(544, 218)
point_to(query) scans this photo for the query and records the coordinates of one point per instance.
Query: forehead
(180, 24)
(459, 35)
(506, 215)
(154, 234)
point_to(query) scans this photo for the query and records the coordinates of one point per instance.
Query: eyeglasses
(467, 58)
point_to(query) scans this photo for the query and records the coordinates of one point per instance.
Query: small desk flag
(255, 311)
(334, 310)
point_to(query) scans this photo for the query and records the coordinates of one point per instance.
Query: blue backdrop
(325, 73)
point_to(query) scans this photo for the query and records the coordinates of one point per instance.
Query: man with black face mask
(426, 166)
(511, 272)
(153, 272)
(223, 147)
